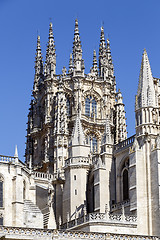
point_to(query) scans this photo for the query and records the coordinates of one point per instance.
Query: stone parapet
(29, 233)
(101, 218)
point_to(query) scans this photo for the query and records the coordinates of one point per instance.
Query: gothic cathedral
(81, 172)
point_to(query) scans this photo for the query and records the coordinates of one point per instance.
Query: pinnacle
(50, 30)
(50, 67)
(94, 68)
(38, 43)
(38, 58)
(146, 91)
(78, 137)
(102, 46)
(76, 34)
(94, 57)
(108, 45)
(77, 48)
(38, 49)
(51, 38)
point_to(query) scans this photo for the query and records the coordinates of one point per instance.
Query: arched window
(87, 107)
(125, 185)
(90, 107)
(1, 191)
(68, 107)
(125, 180)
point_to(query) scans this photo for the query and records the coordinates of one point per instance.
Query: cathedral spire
(102, 46)
(38, 65)
(102, 55)
(38, 58)
(78, 62)
(50, 54)
(146, 93)
(109, 57)
(108, 50)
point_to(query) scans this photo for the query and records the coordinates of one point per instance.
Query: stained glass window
(94, 107)
(68, 107)
(87, 107)
(90, 107)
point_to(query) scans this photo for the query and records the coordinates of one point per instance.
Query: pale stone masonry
(82, 175)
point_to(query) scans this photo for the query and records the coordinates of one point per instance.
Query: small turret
(50, 67)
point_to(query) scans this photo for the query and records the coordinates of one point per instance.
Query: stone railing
(41, 175)
(75, 160)
(101, 218)
(7, 159)
(30, 233)
(124, 144)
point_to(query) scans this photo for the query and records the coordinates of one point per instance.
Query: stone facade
(81, 172)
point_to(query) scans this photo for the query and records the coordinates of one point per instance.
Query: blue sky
(130, 25)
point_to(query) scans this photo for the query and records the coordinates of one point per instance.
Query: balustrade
(126, 143)
(7, 159)
(44, 234)
(101, 217)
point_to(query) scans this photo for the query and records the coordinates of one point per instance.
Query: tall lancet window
(87, 107)
(90, 107)
(125, 185)
(68, 107)
(94, 107)
(125, 181)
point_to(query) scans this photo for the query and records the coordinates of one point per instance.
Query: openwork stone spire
(38, 58)
(146, 93)
(102, 55)
(109, 57)
(50, 54)
(38, 65)
(102, 46)
(78, 62)
(105, 59)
